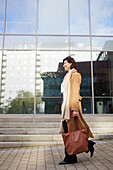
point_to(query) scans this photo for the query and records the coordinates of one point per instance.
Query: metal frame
(2, 49)
(35, 60)
(56, 35)
(91, 59)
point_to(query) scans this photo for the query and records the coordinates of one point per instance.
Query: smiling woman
(43, 32)
(21, 16)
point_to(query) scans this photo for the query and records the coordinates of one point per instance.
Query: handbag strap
(78, 124)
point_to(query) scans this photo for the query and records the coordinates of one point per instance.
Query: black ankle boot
(90, 147)
(70, 158)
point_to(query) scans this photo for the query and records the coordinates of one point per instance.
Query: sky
(21, 16)
(2, 7)
(101, 15)
(53, 16)
(53, 19)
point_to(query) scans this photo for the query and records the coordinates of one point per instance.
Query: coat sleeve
(75, 91)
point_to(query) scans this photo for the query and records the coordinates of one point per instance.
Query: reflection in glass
(103, 105)
(21, 105)
(86, 105)
(2, 8)
(53, 42)
(102, 17)
(1, 40)
(18, 78)
(84, 68)
(20, 42)
(80, 56)
(102, 43)
(21, 16)
(53, 17)
(79, 20)
(0, 60)
(103, 80)
(80, 43)
(50, 75)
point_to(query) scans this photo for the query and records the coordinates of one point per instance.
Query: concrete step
(33, 130)
(33, 120)
(29, 130)
(28, 144)
(13, 144)
(105, 130)
(22, 138)
(52, 118)
(50, 124)
(45, 138)
(29, 125)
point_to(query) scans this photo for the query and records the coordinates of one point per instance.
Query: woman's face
(67, 65)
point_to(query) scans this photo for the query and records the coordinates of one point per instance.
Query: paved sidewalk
(47, 158)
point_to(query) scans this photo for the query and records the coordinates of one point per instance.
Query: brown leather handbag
(77, 141)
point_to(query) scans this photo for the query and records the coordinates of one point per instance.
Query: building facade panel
(36, 35)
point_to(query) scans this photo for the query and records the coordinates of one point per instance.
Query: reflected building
(103, 90)
(33, 45)
(51, 90)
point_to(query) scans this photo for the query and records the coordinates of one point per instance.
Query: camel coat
(75, 104)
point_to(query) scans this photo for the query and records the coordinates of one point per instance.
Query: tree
(23, 103)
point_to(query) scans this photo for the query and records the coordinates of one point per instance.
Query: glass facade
(35, 36)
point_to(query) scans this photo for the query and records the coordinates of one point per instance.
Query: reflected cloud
(20, 42)
(21, 16)
(102, 17)
(2, 7)
(79, 22)
(53, 16)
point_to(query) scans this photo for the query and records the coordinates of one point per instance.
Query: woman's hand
(74, 114)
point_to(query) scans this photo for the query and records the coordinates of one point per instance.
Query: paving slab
(48, 157)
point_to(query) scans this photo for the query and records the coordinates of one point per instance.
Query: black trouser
(68, 158)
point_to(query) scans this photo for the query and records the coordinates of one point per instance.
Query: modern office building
(35, 36)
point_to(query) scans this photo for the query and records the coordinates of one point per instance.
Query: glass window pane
(20, 42)
(53, 42)
(49, 76)
(0, 60)
(53, 17)
(18, 78)
(51, 73)
(2, 8)
(102, 17)
(21, 16)
(1, 40)
(83, 60)
(102, 43)
(79, 17)
(80, 43)
(103, 82)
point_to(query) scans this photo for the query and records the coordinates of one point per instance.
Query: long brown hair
(69, 59)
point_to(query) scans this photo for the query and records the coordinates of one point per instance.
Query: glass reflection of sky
(2, 8)
(1, 38)
(53, 17)
(79, 21)
(20, 42)
(21, 16)
(102, 17)
(99, 43)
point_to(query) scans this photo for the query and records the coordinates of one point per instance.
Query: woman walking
(71, 106)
